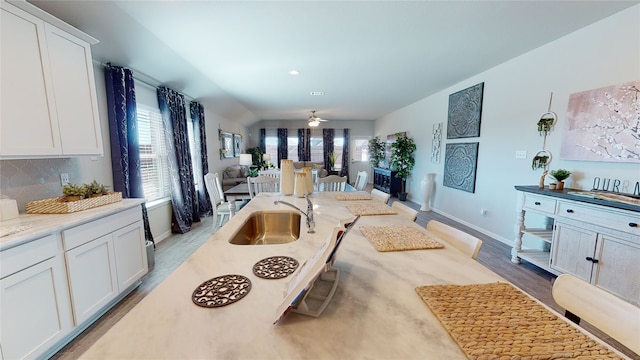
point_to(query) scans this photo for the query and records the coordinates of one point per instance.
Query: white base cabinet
(597, 243)
(35, 311)
(53, 287)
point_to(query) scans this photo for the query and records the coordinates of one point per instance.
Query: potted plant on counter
(95, 189)
(73, 192)
(560, 175)
(402, 160)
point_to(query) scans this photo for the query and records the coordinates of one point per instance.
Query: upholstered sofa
(313, 165)
(233, 175)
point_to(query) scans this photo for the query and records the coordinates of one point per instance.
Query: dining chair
(262, 183)
(468, 244)
(361, 180)
(332, 183)
(405, 210)
(605, 311)
(380, 196)
(221, 211)
(270, 172)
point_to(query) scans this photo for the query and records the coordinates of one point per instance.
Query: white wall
(516, 93)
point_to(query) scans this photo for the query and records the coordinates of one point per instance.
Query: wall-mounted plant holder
(541, 160)
(546, 122)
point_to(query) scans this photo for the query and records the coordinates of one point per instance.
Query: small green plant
(539, 162)
(253, 172)
(74, 191)
(376, 151)
(560, 174)
(332, 159)
(96, 189)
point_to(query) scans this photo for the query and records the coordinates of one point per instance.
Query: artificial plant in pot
(376, 151)
(256, 156)
(402, 160)
(560, 175)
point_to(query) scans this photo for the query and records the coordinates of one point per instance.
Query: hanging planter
(546, 122)
(541, 160)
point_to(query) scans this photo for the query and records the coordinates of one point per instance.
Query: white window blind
(153, 154)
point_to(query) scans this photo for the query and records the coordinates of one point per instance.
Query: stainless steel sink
(269, 228)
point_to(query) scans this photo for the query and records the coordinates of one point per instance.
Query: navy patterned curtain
(123, 131)
(304, 144)
(201, 160)
(345, 154)
(327, 146)
(183, 198)
(263, 140)
(283, 146)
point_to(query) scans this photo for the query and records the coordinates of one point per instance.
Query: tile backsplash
(28, 180)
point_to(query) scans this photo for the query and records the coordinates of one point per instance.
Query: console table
(596, 240)
(385, 180)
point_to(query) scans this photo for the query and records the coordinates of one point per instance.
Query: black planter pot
(402, 196)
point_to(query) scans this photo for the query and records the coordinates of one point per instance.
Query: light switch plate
(521, 154)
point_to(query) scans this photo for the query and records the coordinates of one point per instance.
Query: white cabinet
(49, 103)
(596, 241)
(35, 310)
(104, 258)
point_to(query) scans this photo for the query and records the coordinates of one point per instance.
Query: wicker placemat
(372, 208)
(397, 238)
(498, 321)
(353, 196)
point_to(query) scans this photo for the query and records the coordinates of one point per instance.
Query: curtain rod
(144, 79)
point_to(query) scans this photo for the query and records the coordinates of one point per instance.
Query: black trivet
(275, 267)
(221, 291)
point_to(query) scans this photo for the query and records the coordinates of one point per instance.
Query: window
(292, 145)
(271, 145)
(153, 154)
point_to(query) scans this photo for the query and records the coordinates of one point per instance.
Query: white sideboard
(59, 277)
(49, 101)
(593, 239)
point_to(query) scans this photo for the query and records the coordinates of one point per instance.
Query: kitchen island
(375, 312)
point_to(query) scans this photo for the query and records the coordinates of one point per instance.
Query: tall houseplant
(376, 151)
(402, 160)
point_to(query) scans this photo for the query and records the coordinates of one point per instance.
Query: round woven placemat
(275, 267)
(221, 290)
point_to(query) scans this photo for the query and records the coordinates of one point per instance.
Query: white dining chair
(262, 183)
(607, 312)
(270, 172)
(405, 210)
(380, 196)
(332, 183)
(221, 211)
(459, 239)
(361, 180)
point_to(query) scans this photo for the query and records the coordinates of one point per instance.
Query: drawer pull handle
(633, 224)
(595, 261)
(537, 203)
(570, 211)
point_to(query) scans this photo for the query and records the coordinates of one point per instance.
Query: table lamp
(246, 159)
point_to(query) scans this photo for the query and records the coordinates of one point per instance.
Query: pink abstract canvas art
(603, 125)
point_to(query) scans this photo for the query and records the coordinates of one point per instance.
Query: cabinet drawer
(614, 219)
(29, 254)
(540, 203)
(84, 233)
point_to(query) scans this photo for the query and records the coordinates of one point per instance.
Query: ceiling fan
(314, 121)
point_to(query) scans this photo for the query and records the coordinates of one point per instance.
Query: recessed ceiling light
(294, 72)
(316, 93)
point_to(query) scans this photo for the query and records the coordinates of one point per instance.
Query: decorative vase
(308, 172)
(560, 185)
(286, 177)
(300, 186)
(427, 185)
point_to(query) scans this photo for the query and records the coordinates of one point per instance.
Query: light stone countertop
(375, 313)
(45, 224)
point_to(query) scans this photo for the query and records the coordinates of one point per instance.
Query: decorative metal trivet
(221, 291)
(275, 267)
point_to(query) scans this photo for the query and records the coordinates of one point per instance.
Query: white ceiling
(368, 57)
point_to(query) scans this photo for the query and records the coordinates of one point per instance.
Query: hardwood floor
(171, 252)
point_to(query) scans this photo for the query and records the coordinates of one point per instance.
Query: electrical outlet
(64, 179)
(483, 212)
(521, 154)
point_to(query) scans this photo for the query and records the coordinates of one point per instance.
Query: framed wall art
(436, 143)
(465, 112)
(226, 145)
(602, 124)
(460, 163)
(237, 145)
